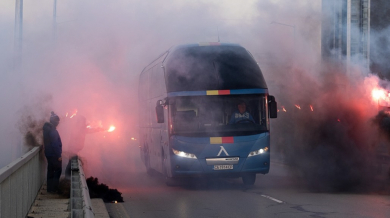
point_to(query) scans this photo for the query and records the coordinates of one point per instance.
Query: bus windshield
(222, 115)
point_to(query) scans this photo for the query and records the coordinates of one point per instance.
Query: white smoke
(91, 57)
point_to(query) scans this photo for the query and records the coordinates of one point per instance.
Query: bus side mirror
(273, 107)
(160, 112)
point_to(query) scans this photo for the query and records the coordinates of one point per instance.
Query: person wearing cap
(241, 115)
(53, 151)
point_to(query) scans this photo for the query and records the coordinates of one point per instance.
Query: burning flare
(381, 97)
(378, 94)
(284, 109)
(297, 106)
(311, 108)
(74, 114)
(112, 128)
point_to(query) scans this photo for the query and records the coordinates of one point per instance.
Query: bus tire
(249, 179)
(169, 181)
(149, 170)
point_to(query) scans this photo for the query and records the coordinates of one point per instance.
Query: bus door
(162, 119)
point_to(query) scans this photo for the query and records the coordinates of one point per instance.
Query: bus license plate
(223, 167)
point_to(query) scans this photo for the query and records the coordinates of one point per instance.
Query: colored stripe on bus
(187, 93)
(221, 140)
(212, 92)
(227, 140)
(219, 92)
(248, 91)
(237, 139)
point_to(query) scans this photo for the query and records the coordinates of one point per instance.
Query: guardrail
(20, 182)
(80, 202)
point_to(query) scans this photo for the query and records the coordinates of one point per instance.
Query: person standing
(53, 151)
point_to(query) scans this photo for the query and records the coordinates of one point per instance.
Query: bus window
(143, 86)
(158, 81)
(211, 115)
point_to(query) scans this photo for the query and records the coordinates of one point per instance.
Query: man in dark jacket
(53, 151)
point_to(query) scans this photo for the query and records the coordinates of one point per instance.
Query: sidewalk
(57, 206)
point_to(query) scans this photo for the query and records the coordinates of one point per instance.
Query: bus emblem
(222, 149)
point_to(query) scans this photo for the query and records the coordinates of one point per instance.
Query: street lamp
(18, 35)
(55, 20)
(18, 26)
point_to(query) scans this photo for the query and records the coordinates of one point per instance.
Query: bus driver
(241, 116)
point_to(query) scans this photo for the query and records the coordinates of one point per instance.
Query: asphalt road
(277, 194)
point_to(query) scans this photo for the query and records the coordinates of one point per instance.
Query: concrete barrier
(80, 201)
(20, 182)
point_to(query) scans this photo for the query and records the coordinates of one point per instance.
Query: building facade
(380, 38)
(346, 31)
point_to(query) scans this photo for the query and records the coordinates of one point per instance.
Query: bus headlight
(257, 152)
(183, 154)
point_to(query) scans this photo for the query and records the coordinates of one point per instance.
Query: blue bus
(204, 110)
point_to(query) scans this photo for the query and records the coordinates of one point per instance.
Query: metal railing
(20, 182)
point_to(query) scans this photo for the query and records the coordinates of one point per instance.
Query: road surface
(277, 194)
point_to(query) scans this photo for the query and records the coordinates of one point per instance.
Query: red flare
(112, 128)
(378, 94)
(74, 114)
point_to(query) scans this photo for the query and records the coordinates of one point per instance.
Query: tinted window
(143, 86)
(157, 81)
(212, 68)
(212, 115)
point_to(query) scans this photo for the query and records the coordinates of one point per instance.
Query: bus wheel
(249, 179)
(149, 170)
(147, 160)
(169, 181)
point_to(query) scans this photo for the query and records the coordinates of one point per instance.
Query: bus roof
(211, 66)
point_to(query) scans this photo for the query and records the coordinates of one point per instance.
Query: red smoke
(334, 145)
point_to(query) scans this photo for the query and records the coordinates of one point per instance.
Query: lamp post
(55, 20)
(18, 35)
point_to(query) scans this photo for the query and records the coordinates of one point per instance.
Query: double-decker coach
(204, 110)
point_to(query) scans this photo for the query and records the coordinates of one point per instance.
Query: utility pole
(18, 37)
(55, 20)
(18, 46)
